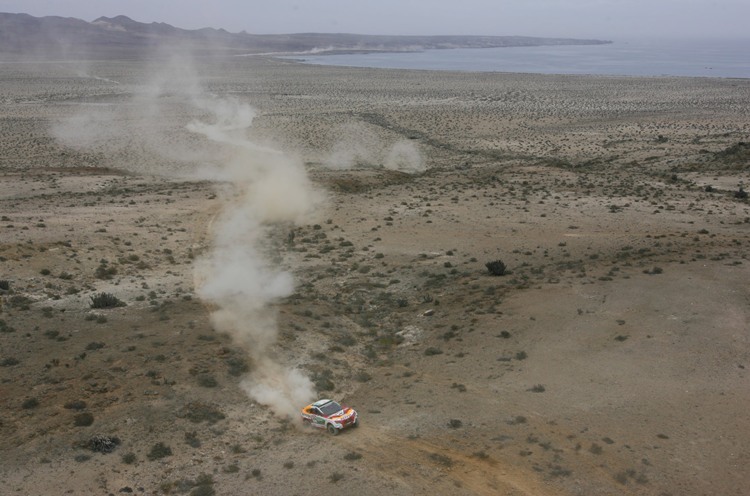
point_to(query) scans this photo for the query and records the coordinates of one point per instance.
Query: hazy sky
(606, 19)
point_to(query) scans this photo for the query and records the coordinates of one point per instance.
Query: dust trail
(267, 187)
(173, 127)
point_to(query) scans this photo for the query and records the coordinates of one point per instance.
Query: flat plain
(608, 353)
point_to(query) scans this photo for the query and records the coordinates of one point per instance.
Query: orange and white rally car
(329, 415)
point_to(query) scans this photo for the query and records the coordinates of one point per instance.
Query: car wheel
(332, 429)
(356, 423)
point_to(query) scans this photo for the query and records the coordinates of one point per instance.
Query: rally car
(329, 415)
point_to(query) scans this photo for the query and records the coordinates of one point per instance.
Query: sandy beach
(610, 356)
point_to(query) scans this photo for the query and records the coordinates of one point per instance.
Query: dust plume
(266, 188)
(358, 144)
(259, 187)
(404, 156)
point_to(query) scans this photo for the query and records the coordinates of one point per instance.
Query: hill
(60, 37)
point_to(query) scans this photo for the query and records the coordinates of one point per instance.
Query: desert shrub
(5, 284)
(539, 388)
(9, 362)
(322, 380)
(443, 460)
(207, 381)
(4, 327)
(362, 376)
(496, 268)
(20, 302)
(103, 444)
(30, 403)
(106, 300)
(237, 365)
(159, 450)
(455, 423)
(352, 456)
(595, 449)
(105, 271)
(335, 477)
(559, 471)
(128, 458)
(346, 339)
(203, 490)
(83, 419)
(191, 438)
(433, 351)
(197, 412)
(621, 477)
(75, 405)
(94, 345)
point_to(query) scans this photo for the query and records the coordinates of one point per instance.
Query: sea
(685, 58)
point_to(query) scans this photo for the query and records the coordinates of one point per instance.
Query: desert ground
(609, 354)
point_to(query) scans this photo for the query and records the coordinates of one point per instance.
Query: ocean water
(690, 58)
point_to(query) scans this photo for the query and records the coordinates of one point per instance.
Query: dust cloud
(358, 145)
(171, 126)
(267, 188)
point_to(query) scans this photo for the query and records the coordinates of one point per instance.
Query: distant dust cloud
(357, 145)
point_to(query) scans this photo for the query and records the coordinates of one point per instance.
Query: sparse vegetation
(393, 312)
(335, 477)
(105, 271)
(103, 444)
(496, 268)
(83, 419)
(106, 300)
(198, 412)
(158, 451)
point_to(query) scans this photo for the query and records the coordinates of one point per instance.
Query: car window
(331, 407)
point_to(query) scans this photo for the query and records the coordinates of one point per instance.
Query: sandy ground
(611, 358)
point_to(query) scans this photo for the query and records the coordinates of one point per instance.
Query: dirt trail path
(420, 463)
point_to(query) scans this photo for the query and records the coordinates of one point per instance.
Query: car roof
(321, 402)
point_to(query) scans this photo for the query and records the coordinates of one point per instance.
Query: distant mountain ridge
(53, 37)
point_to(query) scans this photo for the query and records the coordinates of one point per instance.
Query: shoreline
(658, 59)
